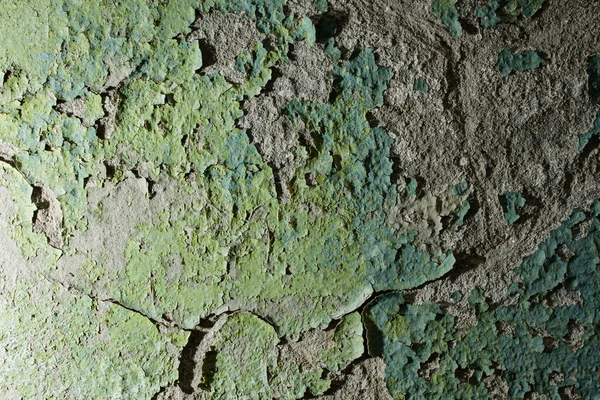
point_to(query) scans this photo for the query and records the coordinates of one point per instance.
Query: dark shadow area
(187, 364)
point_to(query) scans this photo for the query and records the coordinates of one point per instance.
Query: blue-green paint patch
(509, 62)
(420, 85)
(510, 203)
(498, 11)
(462, 212)
(461, 189)
(223, 239)
(456, 296)
(446, 11)
(411, 186)
(526, 344)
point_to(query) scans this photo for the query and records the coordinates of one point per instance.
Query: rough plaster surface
(263, 199)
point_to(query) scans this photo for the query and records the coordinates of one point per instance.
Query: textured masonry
(271, 199)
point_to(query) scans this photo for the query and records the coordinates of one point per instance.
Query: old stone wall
(271, 199)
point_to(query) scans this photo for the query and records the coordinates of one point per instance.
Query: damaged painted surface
(543, 339)
(268, 199)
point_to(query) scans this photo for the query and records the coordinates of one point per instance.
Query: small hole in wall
(549, 343)
(396, 176)
(542, 10)
(170, 99)
(468, 27)
(7, 75)
(567, 393)
(337, 162)
(190, 176)
(275, 74)
(291, 55)
(311, 179)
(187, 362)
(463, 374)
(446, 221)
(209, 368)
(329, 24)
(372, 120)
(209, 54)
(111, 170)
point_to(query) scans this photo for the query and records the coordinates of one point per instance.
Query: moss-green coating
(348, 343)
(217, 219)
(52, 339)
(246, 341)
(269, 371)
(262, 255)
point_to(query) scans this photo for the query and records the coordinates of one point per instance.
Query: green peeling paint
(219, 238)
(267, 262)
(446, 11)
(498, 11)
(524, 344)
(421, 86)
(246, 341)
(510, 201)
(412, 186)
(348, 343)
(216, 237)
(461, 189)
(52, 339)
(509, 62)
(269, 370)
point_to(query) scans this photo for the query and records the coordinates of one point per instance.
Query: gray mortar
(305, 78)
(111, 222)
(48, 217)
(7, 152)
(364, 382)
(224, 37)
(499, 134)
(107, 124)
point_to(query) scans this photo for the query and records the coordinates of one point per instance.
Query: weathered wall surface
(262, 199)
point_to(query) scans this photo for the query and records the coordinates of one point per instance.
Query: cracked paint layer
(446, 11)
(524, 344)
(509, 62)
(143, 202)
(511, 202)
(48, 330)
(217, 237)
(496, 12)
